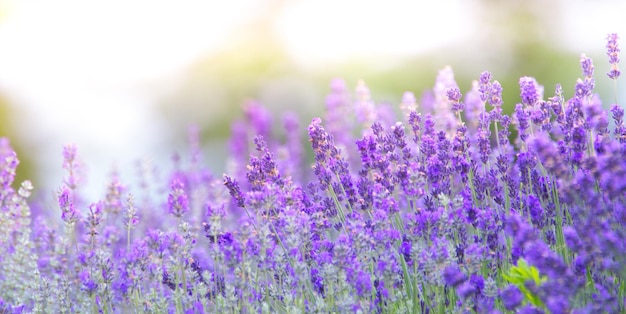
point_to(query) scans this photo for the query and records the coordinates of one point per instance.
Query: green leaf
(522, 273)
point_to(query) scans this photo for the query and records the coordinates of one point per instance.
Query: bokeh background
(123, 80)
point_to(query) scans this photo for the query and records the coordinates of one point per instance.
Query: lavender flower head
(585, 86)
(490, 92)
(66, 202)
(441, 223)
(177, 201)
(586, 65)
(72, 165)
(495, 98)
(530, 91)
(454, 97)
(612, 50)
(235, 191)
(484, 85)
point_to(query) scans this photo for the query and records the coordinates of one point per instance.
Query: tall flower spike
(585, 86)
(94, 220)
(235, 191)
(612, 50)
(131, 219)
(484, 86)
(113, 200)
(72, 165)
(66, 202)
(177, 201)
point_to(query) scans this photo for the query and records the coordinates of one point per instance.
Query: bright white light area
(587, 23)
(110, 43)
(317, 31)
(88, 72)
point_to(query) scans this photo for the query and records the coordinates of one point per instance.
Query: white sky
(88, 72)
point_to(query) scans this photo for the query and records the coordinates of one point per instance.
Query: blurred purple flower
(612, 50)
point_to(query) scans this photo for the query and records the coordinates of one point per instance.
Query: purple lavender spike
(612, 50)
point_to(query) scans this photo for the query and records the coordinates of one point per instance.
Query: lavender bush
(441, 212)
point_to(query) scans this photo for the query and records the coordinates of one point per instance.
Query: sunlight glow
(91, 72)
(320, 31)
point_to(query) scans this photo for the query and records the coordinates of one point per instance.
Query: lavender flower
(523, 123)
(529, 90)
(453, 276)
(177, 201)
(66, 203)
(612, 50)
(490, 92)
(72, 165)
(584, 87)
(454, 96)
(485, 85)
(511, 297)
(235, 192)
(439, 223)
(94, 220)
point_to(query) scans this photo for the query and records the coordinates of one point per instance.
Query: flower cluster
(442, 211)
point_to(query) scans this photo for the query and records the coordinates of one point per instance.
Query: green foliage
(521, 274)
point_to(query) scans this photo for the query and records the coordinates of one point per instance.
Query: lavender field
(443, 204)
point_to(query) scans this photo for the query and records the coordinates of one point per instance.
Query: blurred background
(123, 80)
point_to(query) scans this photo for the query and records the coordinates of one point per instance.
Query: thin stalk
(340, 212)
(615, 90)
(343, 190)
